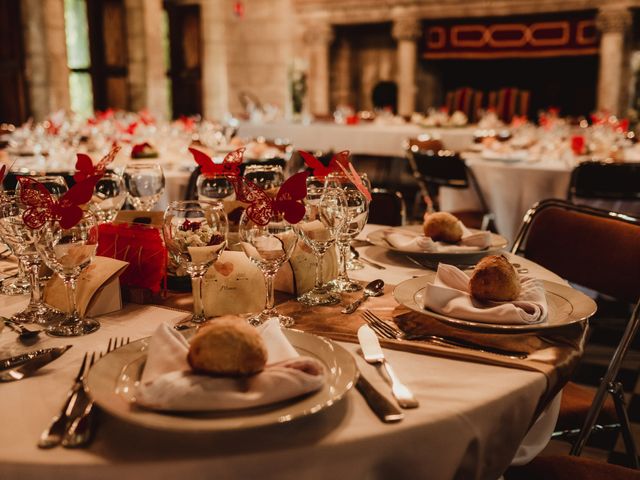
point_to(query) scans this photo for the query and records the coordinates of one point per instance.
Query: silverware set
(389, 331)
(74, 425)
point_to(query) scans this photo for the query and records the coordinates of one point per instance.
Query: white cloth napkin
(414, 242)
(449, 295)
(168, 383)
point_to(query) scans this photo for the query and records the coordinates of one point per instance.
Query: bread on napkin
(494, 279)
(442, 226)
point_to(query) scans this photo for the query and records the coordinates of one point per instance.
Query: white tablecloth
(364, 139)
(471, 419)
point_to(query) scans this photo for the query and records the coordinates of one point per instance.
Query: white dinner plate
(498, 243)
(111, 384)
(566, 306)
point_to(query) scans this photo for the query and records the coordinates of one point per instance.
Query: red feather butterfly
(230, 166)
(263, 208)
(86, 169)
(42, 207)
(320, 170)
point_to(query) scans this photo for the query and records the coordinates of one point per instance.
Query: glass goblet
(357, 214)
(325, 215)
(214, 187)
(56, 185)
(195, 233)
(108, 198)
(268, 246)
(145, 184)
(267, 177)
(69, 251)
(18, 284)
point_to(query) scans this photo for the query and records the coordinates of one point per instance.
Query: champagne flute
(268, 246)
(195, 233)
(325, 215)
(69, 251)
(145, 184)
(22, 241)
(357, 214)
(108, 198)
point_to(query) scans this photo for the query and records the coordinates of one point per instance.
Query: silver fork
(81, 430)
(386, 330)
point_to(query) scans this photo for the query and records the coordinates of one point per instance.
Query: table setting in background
(266, 357)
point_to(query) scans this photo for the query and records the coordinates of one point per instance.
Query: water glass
(145, 184)
(108, 198)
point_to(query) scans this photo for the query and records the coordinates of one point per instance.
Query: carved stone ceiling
(368, 11)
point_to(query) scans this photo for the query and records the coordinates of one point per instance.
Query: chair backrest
(591, 247)
(192, 185)
(387, 207)
(605, 180)
(442, 168)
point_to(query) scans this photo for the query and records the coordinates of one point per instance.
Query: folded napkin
(449, 295)
(415, 242)
(168, 383)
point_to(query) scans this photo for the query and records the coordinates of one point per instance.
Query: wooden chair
(598, 250)
(387, 208)
(433, 167)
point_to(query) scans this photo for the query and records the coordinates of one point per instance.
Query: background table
(471, 419)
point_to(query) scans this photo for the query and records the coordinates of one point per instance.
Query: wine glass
(109, 195)
(56, 185)
(22, 241)
(268, 247)
(68, 251)
(195, 233)
(267, 177)
(214, 187)
(19, 284)
(145, 184)
(325, 215)
(357, 214)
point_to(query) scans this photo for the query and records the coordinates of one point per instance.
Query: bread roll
(227, 345)
(495, 279)
(442, 227)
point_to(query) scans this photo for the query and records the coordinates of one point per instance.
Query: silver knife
(373, 354)
(27, 368)
(12, 362)
(383, 408)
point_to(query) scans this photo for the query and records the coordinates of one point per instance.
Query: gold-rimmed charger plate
(112, 380)
(498, 244)
(566, 306)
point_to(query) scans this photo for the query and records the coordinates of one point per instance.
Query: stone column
(613, 24)
(318, 37)
(215, 84)
(406, 30)
(342, 71)
(46, 56)
(146, 69)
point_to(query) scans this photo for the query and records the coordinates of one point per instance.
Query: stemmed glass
(22, 241)
(56, 185)
(108, 198)
(268, 247)
(325, 216)
(195, 233)
(18, 285)
(68, 251)
(214, 187)
(357, 214)
(267, 177)
(145, 184)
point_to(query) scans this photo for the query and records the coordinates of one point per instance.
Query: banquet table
(470, 424)
(362, 139)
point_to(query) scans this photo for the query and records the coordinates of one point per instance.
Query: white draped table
(471, 420)
(364, 139)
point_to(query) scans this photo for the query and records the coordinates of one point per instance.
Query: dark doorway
(185, 72)
(13, 93)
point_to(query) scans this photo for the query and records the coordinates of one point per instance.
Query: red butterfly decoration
(42, 207)
(262, 208)
(320, 170)
(139, 148)
(230, 166)
(85, 168)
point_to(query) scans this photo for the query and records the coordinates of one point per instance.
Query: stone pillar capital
(611, 20)
(318, 33)
(406, 28)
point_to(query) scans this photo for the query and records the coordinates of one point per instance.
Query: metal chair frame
(608, 383)
(423, 182)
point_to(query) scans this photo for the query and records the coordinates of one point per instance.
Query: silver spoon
(356, 256)
(24, 334)
(373, 289)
